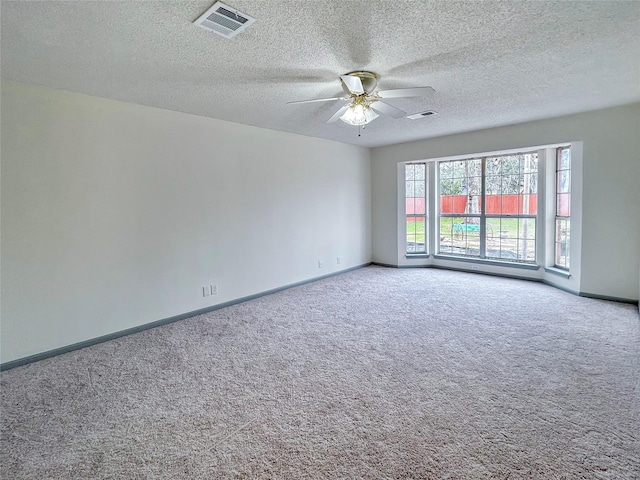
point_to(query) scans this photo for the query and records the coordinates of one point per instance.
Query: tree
(473, 184)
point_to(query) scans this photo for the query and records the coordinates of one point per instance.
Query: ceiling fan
(365, 103)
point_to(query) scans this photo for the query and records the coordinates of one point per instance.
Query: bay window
(488, 207)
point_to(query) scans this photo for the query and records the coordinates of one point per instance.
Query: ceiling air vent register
(415, 116)
(224, 20)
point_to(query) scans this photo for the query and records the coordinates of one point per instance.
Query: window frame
(483, 216)
(425, 216)
(557, 235)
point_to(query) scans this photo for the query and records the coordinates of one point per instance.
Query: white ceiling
(490, 63)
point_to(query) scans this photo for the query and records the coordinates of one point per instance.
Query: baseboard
(560, 287)
(158, 323)
(505, 275)
(484, 272)
(609, 298)
(458, 269)
(389, 265)
(591, 295)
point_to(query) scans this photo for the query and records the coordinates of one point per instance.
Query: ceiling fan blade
(338, 114)
(406, 92)
(387, 109)
(353, 83)
(317, 100)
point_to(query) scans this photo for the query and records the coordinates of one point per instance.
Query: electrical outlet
(214, 289)
(320, 264)
(475, 267)
(337, 260)
(206, 291)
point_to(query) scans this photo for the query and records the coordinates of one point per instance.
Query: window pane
(512, 239)
(421, 234)
(473, 186)
(564, 181)
(446, 233)
(527, 251)
(473, 204)
(562, 241)
(411, 226)
(563, 205)
(415, 207)
(460, 235)
(528, 204)
(529, 183)
(453, 203)
(415, 235)
(410, 206)
(409, 171)
(468, 239)
(511, 185)
(409, 189)
(564, 162)
(493, 238)
(493, 204)
(494, 166)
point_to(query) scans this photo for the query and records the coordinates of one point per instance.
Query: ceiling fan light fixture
(358, 114)
(365, 101)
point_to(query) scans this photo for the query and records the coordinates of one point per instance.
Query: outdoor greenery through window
(488, 207)
(563, 207)
(415, 202)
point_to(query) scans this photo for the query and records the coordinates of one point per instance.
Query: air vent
(415, 116)
(224, 20)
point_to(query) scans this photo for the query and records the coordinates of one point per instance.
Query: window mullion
(483, 223)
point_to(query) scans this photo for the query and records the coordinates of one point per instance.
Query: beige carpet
(377, 373)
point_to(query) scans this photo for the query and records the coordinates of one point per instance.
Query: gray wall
(115, 215)
(609, 191)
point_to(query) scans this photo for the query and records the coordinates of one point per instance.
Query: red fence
(415, 206)
(453, 203)
(496, 204)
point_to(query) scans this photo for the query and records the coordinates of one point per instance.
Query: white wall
(610, 191)
(115, 215)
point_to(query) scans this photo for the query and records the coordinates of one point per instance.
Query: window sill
(483, 261)
(417, 255)
(557, 271)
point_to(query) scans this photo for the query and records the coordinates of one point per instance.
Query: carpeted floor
(377, 373)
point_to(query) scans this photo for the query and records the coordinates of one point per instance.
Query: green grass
(507, 227)
(416, 230)
(496, 228)
(505, 237)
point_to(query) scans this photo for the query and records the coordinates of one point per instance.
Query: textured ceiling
(490, 63)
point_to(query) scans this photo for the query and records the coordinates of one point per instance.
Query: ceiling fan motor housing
(369, 81)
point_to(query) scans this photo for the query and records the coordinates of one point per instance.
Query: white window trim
(483, 216)
(545, 257)
(555, 212)
(426, 253)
